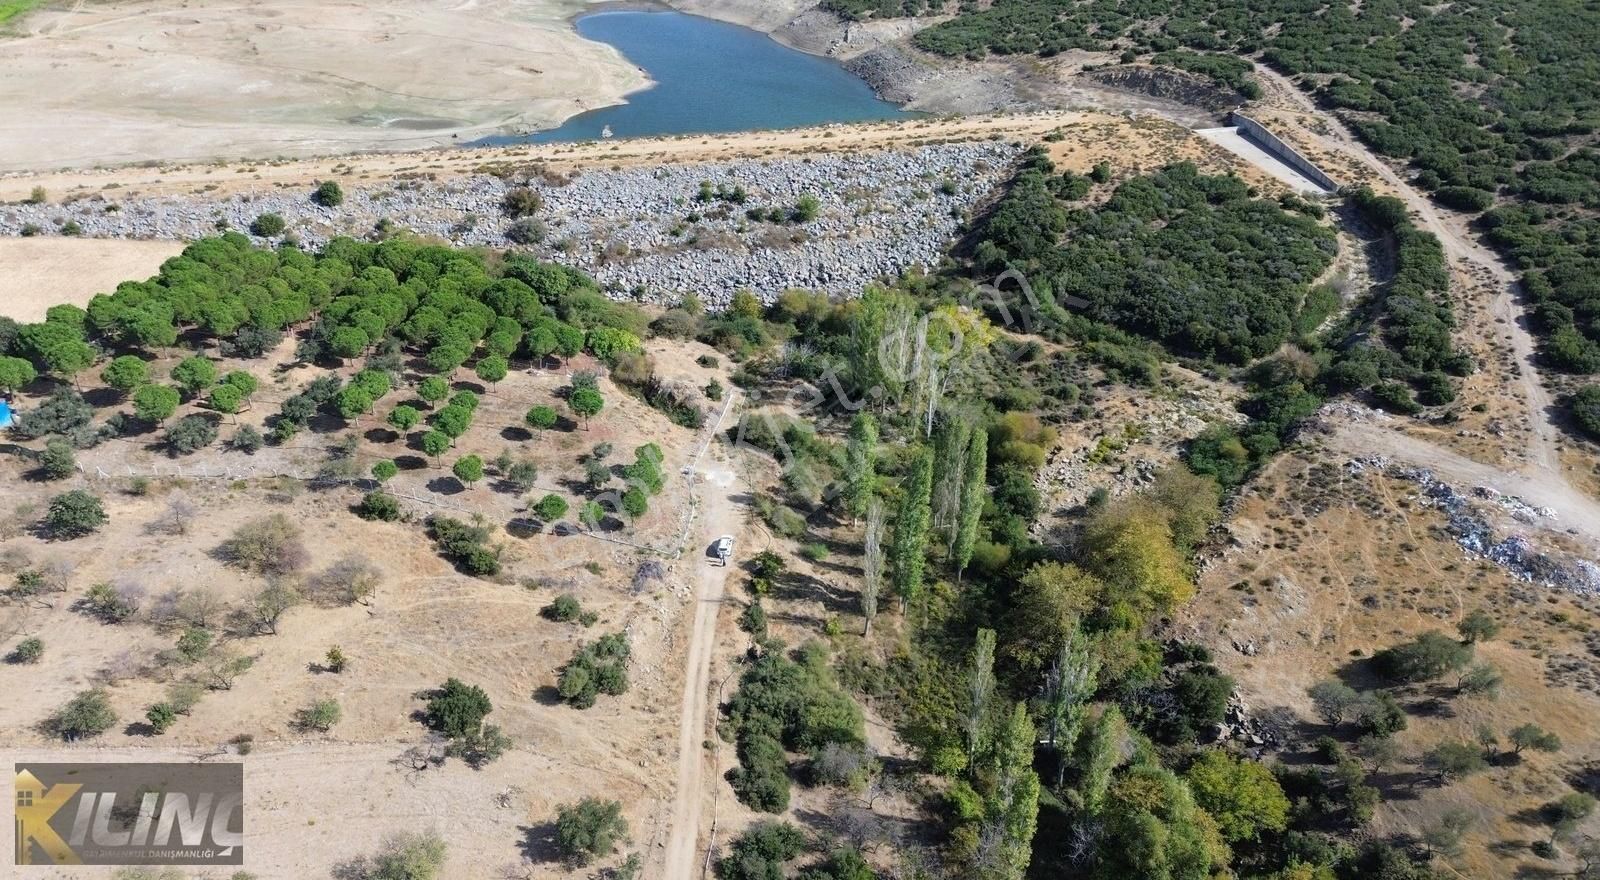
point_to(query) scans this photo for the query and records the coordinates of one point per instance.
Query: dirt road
(1577, 514)
(721, 517)
(1464, 250)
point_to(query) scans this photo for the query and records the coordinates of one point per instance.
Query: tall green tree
(586, 402)
(980, 689)
(1068, 685)
(872, 564)
(1101, 754)
(973, 491)
(860, 467)
(909, 553)
(1014, 806)
(949, 466)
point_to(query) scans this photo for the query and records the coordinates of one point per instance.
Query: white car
(723, 549)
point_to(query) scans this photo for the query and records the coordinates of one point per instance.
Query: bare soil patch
(37, 273)
(158, 79)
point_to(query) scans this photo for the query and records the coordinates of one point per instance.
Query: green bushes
(589, 828)
(267, 225)
(1585, 408)
(328, 194)
(85, 715)
(784, 704)
(1409, 80)
(1185, 258)
(379, 505)
(597, 668)
(565, 608)
(75, 514)
(467, 545)
(457, 709)
(761, 851)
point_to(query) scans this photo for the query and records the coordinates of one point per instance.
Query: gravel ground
(639, 231)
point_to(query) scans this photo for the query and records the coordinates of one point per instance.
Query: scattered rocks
(640, 231)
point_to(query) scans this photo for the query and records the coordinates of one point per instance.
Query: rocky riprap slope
(639, 231)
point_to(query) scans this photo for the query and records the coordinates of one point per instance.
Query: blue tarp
(5, 414)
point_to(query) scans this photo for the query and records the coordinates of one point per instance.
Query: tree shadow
(100, 398)
(410, 462)
(139, 728)
(575, 486)
(515, 434)
(381, 435)
(445, 485)
(523, 527)
(1508, 849)
(1430, 707)
(547, 695)
(796, 586)
(1400, 785)
(538, 843)
(1361, 675)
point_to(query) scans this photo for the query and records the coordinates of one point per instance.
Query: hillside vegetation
(1494, 105)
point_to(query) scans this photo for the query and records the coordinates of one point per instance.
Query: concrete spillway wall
(1270, 142)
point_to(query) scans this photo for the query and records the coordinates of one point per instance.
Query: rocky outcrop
(1169, 84)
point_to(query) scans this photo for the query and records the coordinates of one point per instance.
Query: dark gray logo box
(129, 814)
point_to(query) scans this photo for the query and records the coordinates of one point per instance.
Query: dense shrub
(457, 709)
(598, 668)
(267, 225)
(785, 704)
(1585, 407)
(75, 514)
(328, 194)
(1182, 257)
(466, 545)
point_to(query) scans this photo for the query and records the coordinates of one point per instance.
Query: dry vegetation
(171, 543)
(1320, 569)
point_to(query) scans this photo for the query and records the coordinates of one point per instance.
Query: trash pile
(1473, 531)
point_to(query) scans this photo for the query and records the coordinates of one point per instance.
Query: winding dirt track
(1461, 247)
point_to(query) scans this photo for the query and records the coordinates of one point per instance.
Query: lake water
(713, 77)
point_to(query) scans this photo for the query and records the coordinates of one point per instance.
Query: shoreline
(252, 175)
(135, 136)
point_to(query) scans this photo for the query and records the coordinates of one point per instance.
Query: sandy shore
(162, 80)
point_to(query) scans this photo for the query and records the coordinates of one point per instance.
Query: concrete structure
(1266, 140)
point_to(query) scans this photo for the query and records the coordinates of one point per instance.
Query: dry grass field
(316, 799)
(1322, 568)
(37, 273)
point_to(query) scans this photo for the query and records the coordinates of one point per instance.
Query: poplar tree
(1014, 804)
(860, 457)
(973, 486)
(980, 687)
(950, 457)
(911, 530)
(1101, 757)
(872, 569)
(1067, 686)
